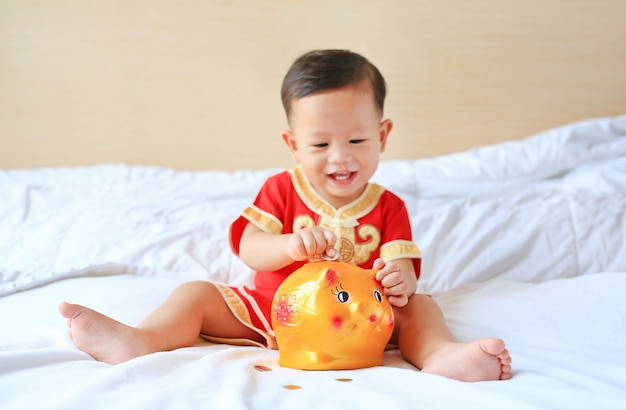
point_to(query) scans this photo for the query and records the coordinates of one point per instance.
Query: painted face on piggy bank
(331, 315)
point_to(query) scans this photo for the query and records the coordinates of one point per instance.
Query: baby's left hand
(398, 284)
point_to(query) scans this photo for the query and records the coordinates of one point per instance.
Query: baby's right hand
(311, 243)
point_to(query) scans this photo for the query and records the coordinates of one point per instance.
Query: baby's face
(337, 137)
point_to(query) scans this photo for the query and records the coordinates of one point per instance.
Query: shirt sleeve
(397, 238)
(266, 212)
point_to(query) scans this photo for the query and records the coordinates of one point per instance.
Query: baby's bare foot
(103, 338)
(480, 360)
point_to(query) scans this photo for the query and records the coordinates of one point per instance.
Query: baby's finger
(378, 263)
(398, 301)
(330, 253)
(315, 243)
(331, 238)
(400, 289)
(297, 248)
(389, 269)
(391, 279)
(321, 240)
(310, 244)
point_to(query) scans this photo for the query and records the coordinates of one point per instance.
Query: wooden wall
(194, 84)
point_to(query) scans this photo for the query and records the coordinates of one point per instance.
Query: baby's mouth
(343, 176)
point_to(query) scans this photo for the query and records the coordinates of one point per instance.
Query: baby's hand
(398, 284)
(311, 243)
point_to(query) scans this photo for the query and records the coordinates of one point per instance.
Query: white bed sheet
(522, 240)
(567, 336)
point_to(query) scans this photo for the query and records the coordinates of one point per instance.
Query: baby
(324, 207)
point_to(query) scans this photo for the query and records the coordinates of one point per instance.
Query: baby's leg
(425, 341)
(193, 308)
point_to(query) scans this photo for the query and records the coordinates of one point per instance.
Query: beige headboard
(194, 84)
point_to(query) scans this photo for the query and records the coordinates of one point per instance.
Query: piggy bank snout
(367, 315)
(367, 310)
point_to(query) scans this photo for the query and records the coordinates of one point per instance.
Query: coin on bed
(261, 368)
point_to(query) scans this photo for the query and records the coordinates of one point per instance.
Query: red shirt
(374, 225)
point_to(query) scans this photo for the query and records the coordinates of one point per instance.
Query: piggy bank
(331, 315)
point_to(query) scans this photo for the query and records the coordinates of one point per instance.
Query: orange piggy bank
(331, 315)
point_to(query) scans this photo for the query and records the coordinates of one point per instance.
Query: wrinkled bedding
(523, 240)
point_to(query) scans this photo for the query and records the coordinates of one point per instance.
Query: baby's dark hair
(321, 70)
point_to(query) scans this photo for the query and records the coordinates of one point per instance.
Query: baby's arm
(264, 251)
(398, 279)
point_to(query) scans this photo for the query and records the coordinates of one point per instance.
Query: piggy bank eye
(378, 296)
(343, 296)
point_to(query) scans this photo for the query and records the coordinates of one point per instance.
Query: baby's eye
(378, 296)
(320, 145)
(357, 141)
(343, 296)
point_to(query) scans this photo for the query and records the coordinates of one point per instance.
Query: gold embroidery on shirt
(263, 220)
(365, 249)
(399, 249)
(343, 221)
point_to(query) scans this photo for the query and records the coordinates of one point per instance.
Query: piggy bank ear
(372, 273)
(328, 277)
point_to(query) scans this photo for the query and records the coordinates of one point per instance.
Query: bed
(522, 240)
(132, 133)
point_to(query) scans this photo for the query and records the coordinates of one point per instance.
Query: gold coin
(260, 368)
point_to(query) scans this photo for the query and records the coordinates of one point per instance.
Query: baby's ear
(292, 144)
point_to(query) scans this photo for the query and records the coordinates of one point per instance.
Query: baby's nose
(340, 153)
